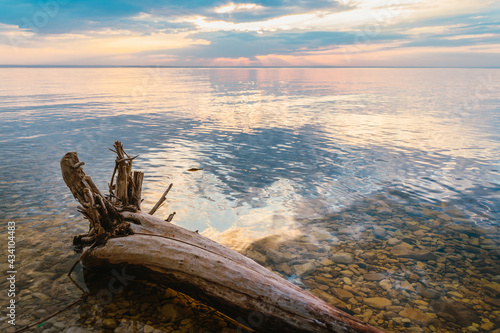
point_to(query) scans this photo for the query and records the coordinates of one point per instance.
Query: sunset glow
(309, 33)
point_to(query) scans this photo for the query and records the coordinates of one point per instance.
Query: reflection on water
(278, 147)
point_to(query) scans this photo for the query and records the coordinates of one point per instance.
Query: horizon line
(248, 67)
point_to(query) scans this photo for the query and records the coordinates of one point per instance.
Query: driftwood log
(120, 234)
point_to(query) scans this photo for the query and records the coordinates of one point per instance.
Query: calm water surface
(289, 152)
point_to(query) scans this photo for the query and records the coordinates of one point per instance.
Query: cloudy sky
(251, 33)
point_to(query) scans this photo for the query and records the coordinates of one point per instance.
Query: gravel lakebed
(394, 262)
(398, 265)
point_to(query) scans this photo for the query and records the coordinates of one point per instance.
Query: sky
(428, 33)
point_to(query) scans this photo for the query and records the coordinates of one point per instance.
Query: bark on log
(120, 234)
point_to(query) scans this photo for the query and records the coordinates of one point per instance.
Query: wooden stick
(122, 183)
(136, 190)
(76, 284)
(112, 179)
(162, 199)
(73, 267)
(170, 217)
(127, 159)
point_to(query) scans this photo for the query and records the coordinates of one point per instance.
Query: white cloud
(367, 18)
(287, 22)
(476, 36)
(232, 7)
(4, 27)
(363, 14)
(435, 29)
(142, 17)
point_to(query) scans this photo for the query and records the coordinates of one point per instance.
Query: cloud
(325, 32)
(230, 44)
(240, 7)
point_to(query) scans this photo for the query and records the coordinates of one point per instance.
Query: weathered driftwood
(121, 234)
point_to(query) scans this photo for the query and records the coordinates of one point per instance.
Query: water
(283, 151)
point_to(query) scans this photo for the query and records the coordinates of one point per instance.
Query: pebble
(487, 326)
(386, 284)
(377, 302)
(493, 287)
(148, 329)
(60, 326)
(285, 268)
(342, 258)
(342, 294)
(379, 232)
(304, 269)
(347, 273)
(169, 312)
(109, 323)
(374, 276)
(321, 235)
(405, 285)
(492, 301)
(402, 250)
(326, 262)
(416, 316)
(277, 257)
(408, 270)
(393, 241)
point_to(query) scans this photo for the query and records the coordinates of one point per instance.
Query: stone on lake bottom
(266, 243)
(402, 250)
(393, 241)
(493, 287)
(374, 276)
(284, 268)
(342, 294)
(455, 312)
(405, 285)
(429, 293)
(347, 273)
(257, 257)
(386, 284)
(326, 262)
(416, 316)
(377, 302)
(492, 301)
(304, 269)
(109, 323)
(148, 329)
(422, 255)
(405, 250)
(412, 225)
(277, 257)
(169, 312)
(342, 258)
(321, 235)
(379, 232)
(487, 326)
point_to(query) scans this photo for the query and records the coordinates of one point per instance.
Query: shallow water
(294, 152)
